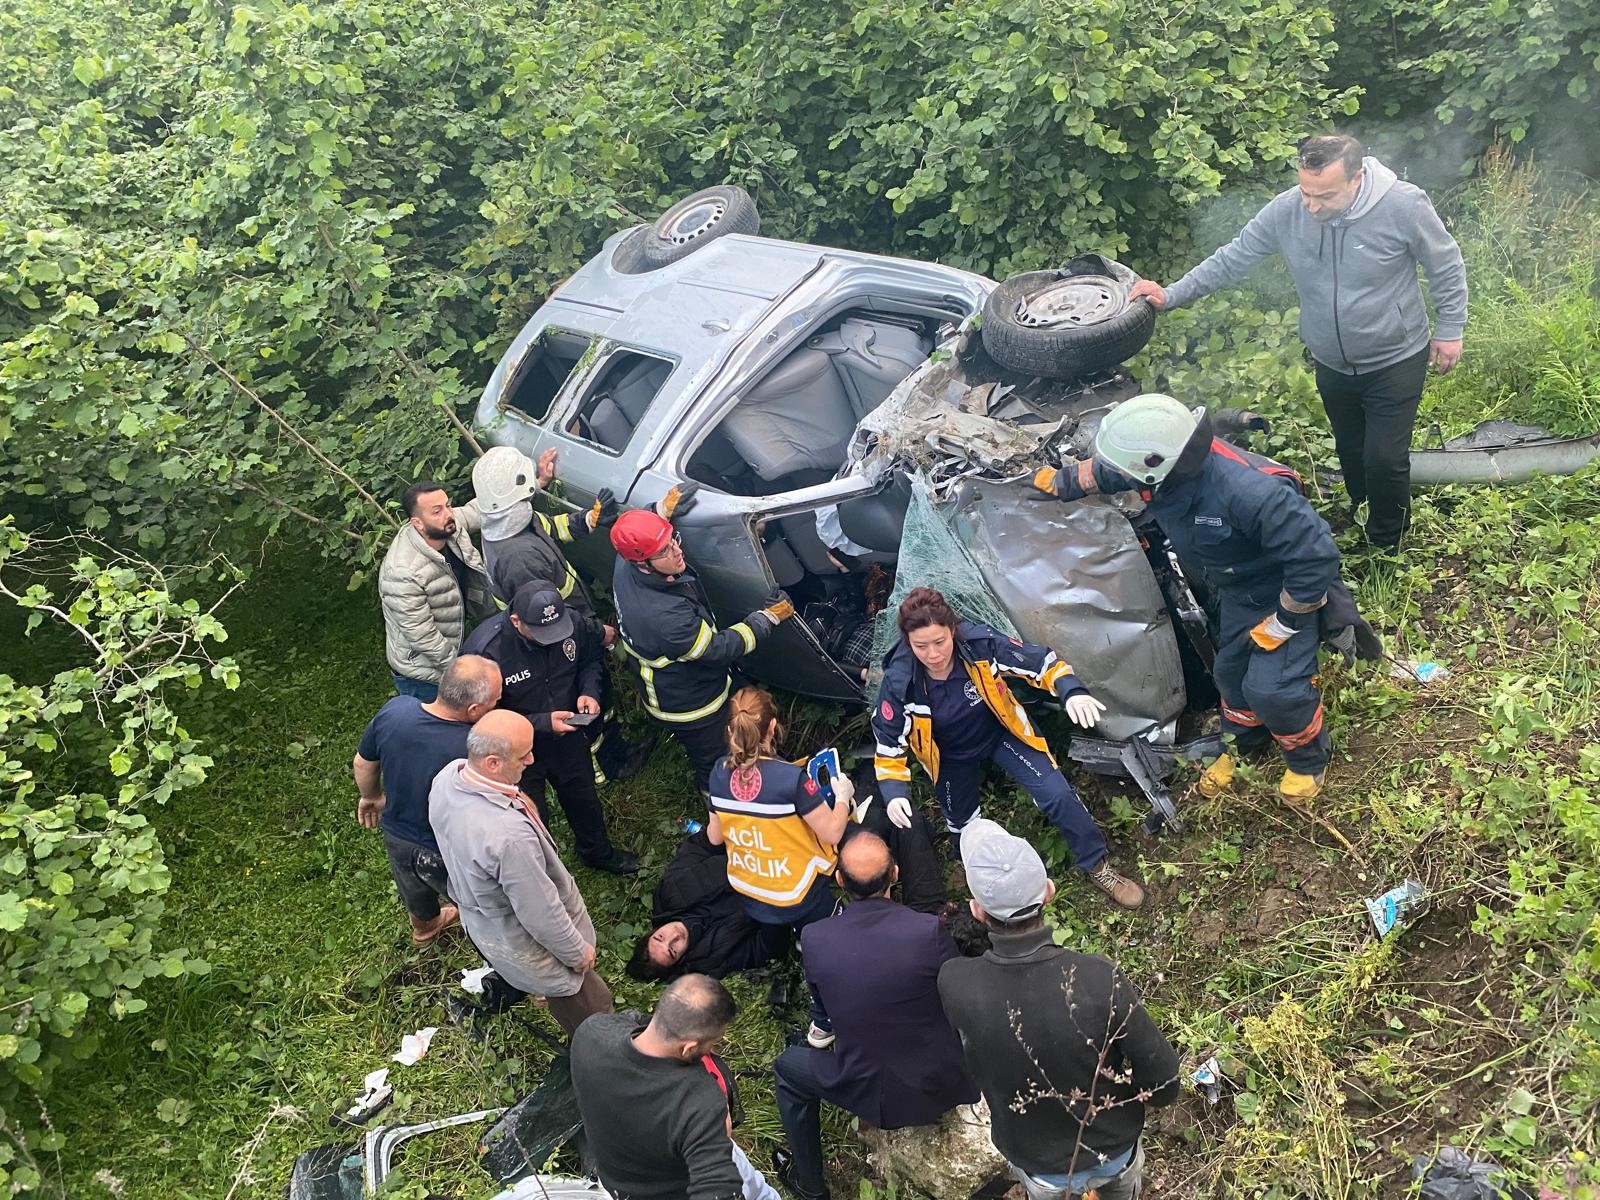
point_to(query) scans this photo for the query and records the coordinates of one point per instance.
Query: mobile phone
(824, 769)
(578, 719)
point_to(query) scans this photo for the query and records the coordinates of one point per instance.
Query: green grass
(1479, 1023)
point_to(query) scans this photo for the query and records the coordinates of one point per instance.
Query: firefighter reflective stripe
(560, 526)
(652, 702)
(1087, 483)
(1293, 741)
(1240, 716)
(746, 634)
(1289, 604)
(701, 641)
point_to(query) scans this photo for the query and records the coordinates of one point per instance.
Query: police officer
(667, 627)
(552, 666)
(523, 545)
(1270, 558)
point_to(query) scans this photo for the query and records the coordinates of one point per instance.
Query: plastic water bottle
(690, 826)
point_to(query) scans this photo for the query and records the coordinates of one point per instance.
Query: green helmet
(1142, 437)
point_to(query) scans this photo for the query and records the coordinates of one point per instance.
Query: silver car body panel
(1073, 576)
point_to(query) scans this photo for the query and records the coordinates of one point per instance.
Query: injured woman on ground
(699, 923)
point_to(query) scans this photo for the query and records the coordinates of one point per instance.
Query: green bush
(82, 873)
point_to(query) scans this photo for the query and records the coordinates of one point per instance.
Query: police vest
(773, 855)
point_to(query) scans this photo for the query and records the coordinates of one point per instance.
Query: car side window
(543, 371)
(614, 404)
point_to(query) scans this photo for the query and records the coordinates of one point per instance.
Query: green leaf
(1520, 1101)
(61, 884)
(13, 912)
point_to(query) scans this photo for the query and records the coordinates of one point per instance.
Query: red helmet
(639, 534)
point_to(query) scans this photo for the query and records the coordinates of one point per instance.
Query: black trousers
(563, 760)
(921, 876)
(704, 741)
(1372, 416)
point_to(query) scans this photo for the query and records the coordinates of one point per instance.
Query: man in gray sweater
(1352, 235)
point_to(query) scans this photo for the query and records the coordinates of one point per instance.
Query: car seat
(872, 357)
(624, 395)
(796, 417)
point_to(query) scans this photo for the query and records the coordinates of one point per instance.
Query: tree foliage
(1444, 81)
(81, 869)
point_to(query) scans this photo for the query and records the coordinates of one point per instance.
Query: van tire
(689, 224)
(1068, 322)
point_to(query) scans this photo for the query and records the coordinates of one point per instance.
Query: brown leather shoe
(1123, 891)
(423, 933)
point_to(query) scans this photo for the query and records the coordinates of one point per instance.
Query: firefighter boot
(1217, 778)
(1299, 789)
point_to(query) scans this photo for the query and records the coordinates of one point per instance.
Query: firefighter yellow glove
(1045, 480)
(780, 610)
(678, 500)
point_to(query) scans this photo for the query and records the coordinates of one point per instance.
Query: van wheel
(689, 224)
(1068, 322)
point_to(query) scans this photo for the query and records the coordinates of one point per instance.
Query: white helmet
(1143, 437)
(502, 477)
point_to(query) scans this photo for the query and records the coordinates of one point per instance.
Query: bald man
(874, 972)
(517, 900)
(403, 748)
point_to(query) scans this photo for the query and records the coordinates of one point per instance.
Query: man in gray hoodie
(1352, 234)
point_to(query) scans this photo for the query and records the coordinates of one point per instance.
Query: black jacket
(874, 969)
(679, 655)
(722, 936)
(657, 1127)
(1036, 1020)
(540, 680)
(535, 554)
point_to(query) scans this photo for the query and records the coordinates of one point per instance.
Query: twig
(278, 1110)
(287, 427)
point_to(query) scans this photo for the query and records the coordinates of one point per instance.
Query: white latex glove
(900, 812)
(1084, 710)
(844, 792)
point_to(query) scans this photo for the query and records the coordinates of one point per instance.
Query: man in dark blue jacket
(874, 971)
(1260, 544)
(552, 669)
(666, 625)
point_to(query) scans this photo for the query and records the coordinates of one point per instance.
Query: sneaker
(618, 862)
(819, 1038)
(424, 933)
(1123, 891)
(1217, 778)
(1299, 788)
(783, 1171)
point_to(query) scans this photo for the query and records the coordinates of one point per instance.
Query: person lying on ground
(699, 922)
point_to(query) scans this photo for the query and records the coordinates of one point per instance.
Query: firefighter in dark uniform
(552, 664)
(523, 545)
(1271, 559)
(667, 628)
